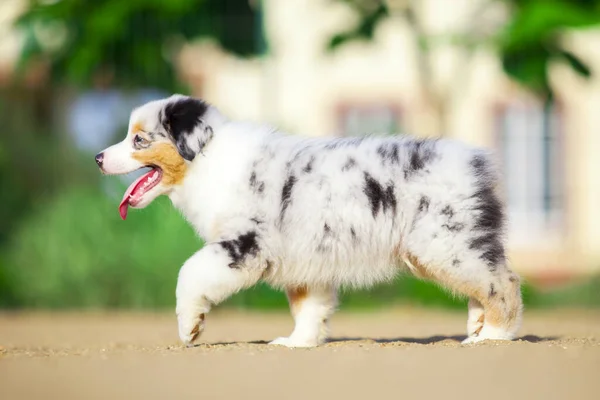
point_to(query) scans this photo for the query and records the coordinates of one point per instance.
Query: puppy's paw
(190, 327)
(472, 340)
(291, 342)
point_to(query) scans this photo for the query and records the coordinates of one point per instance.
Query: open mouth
(136, 191)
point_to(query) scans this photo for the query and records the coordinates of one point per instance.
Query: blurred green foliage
(75, 251)
(131, 42)
(531, 39)
(35, 162)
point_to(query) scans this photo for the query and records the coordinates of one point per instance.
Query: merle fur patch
(286, 195)
(421, 154)
(182, 118)
(490, 248)
(238, 249)
(490, 215)
(454, 227)
(489, 218)
(309, 166)
(256, 185)
(424, 204)
(389, 152)
(353, 234)
(448, 211)
(379, 197)
(350, 163)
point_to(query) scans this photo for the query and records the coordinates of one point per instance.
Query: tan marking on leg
(503, 309)
(165, 156)
(479, 321)
(415, 266)
(440, 276)
(295, 297)
(196, 331)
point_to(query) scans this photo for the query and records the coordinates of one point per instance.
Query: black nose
(99, 159)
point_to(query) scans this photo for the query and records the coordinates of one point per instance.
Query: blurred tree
(127, 44)
(130, 43)
(528, 42)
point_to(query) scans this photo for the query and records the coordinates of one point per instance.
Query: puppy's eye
(140, 141)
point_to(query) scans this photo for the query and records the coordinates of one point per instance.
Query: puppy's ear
(184, 119)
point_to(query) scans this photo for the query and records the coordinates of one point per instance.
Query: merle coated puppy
(311, 215)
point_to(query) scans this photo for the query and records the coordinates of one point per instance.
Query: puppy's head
(164, 135)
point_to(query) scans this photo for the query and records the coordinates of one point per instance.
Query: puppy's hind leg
(495, 306)
(476, 317)
(311, 309)
(503, 307)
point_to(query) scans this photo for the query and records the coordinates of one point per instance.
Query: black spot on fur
(308, 168)
(492, 250)
(326, 230)
(456, 262)
(513, 279)
(257, 221)
(350, 163)
(353, 234)
(180, 119)
(492, 290)
(286, 194)
(420, 156)
(478, 164)
(389, 152)
(255, 184)
(424, 204)
(379, 198)
(455, 227)
(489, 219)
(490, 214)
(448, 211)
(238, 249)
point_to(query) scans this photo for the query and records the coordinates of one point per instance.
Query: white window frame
(532, 165)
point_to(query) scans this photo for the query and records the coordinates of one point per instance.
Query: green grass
(75, 251)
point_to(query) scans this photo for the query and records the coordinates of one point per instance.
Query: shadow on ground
(436, 339)
(425, 340)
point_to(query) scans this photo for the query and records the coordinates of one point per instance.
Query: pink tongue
(124, 206)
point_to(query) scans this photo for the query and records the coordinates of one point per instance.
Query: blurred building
(547, 155)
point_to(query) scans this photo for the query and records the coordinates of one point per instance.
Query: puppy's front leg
(207, 278)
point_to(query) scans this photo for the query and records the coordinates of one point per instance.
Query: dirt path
(409, 354)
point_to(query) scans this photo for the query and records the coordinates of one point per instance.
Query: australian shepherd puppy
(311, 215)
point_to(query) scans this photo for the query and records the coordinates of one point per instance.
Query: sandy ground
(411, 354)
